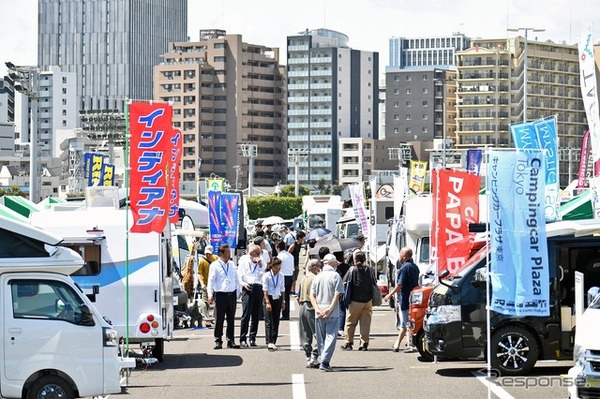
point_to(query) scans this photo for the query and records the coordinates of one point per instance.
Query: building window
(425, 104)
(396, 104)
(408, 78)
(425, 91)
(425, 117)
(220, 58)
(396, 130)
(396, 91)
(424, 130)
(408, 90)
(64, 79)
(396, 78)
(396, 117)
(64, 90)
(219, 45)
(408, 130)
(408, 104)
(425, 77)
(408, 117)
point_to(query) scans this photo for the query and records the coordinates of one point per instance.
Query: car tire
(514, 350)
(50, 386)
(420, 345)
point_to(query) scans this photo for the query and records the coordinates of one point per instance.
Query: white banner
(373, 223)
(360, 212)
(589, 92)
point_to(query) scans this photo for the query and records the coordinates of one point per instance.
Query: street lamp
(26, 81)
(295, 155)
(525, 30)
(250, 151)
(238, 172)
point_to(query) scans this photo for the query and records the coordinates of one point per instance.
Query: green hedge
(264, 206)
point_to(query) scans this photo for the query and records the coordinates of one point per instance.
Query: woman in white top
(273, 291)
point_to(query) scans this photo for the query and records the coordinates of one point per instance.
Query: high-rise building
(491, 88)
(7, 100)
(333, 93)
(437, 51)
(111, 46)
(420, 104)
(226, 93)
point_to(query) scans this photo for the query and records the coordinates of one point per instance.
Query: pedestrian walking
(273, 292)
(287, 270)
(360, 308)
(407, 278)
(308, 339)
(326, 291)
(223, 289)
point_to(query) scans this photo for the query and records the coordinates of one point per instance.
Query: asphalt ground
(193, 369)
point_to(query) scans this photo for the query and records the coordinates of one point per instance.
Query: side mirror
(87, 317)
(442, 275)
(480, 278)
(592, 294)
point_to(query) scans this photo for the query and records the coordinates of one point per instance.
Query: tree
(290, 191)
(13, 190)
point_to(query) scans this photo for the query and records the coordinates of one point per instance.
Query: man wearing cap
(326, 291)
(204, 262)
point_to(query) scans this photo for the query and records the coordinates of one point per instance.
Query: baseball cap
(209, 249)
(330, 259)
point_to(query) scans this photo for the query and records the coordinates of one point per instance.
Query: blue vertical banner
(108, 174)
(230, 207)
(474, 161)
(541, 134)
(214, 215)
(519, 258)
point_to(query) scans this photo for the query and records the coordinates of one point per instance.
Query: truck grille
(589, 393)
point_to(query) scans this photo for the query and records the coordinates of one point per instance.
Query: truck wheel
(420, 344)
(158, 351)
(514, 350)
(50, 386)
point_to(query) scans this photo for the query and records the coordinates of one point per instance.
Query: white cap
(330, 259)
(209, 249)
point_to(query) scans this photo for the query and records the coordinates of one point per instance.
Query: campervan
(125, 273)
(455, 325)
(55, 342)
(326, 208)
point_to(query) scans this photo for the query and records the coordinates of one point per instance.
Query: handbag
(377, 297)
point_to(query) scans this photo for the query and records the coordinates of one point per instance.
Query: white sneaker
(270, 347)
(273, 347)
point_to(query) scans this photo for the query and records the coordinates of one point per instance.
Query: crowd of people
(334, 294)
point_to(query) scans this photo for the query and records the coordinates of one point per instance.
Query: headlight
(444, 314)
(111, 338)
(578, 355)
(416, 298)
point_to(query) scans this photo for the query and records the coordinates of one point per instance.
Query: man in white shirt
(223, 288)
(287, 270)
(251, 267)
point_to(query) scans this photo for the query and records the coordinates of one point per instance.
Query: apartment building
(332, 93)
(225, 93)
(434, 51)
(492, 88)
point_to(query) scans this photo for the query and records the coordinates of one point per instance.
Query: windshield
(595, 303)
(473, 260)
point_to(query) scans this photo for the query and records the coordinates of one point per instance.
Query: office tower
(438, 52)
(111, 46)
(226, 94)
(332, 92)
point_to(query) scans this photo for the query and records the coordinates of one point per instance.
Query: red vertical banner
(456, 204)
(151, 133)
(174, 160)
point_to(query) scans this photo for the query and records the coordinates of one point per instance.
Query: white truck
(55, 342)
(326, 208)
(585, 374)
(128, 276)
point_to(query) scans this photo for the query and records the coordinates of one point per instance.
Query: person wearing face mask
(250, 270)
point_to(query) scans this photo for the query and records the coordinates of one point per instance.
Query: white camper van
(124, 273)
(55, 342)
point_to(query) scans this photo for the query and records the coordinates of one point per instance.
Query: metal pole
(443, 122)
(250, 173)
(297, 177)
(525, 78)
(33, 156)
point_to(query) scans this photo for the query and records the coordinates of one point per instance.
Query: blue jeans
(326, 330)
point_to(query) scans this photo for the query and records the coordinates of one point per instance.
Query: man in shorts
(406, 279)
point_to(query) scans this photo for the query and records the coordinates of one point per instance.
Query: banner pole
(488, 323)
(126, 181)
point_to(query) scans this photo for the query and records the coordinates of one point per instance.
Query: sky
(368, 23)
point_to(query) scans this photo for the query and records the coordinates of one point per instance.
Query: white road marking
(294, 336)
(298, 388)
(492, 386)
